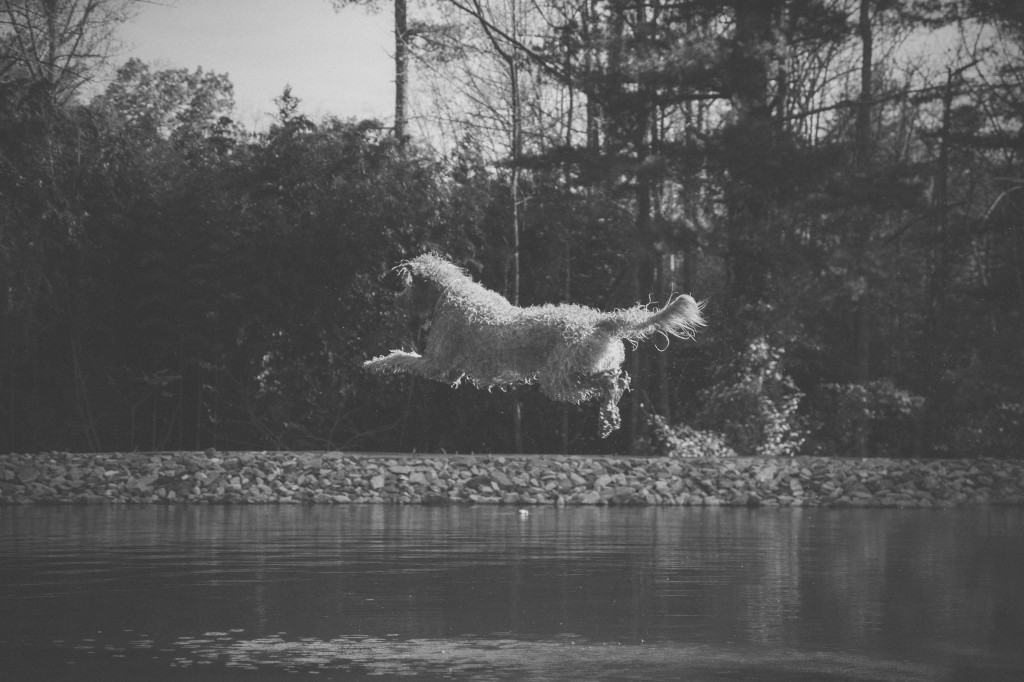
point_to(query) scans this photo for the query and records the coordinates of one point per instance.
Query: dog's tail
(681, 317)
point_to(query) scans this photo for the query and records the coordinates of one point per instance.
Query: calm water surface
(486, 593)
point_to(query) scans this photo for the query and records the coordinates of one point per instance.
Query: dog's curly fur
(574, 352)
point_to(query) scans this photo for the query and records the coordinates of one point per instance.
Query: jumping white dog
(574, 352)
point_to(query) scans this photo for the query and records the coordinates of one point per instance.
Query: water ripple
(469, 593)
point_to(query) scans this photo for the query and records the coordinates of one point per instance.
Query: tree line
(841, 180)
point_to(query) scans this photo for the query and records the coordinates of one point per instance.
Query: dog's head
(424, 279)
(417, 300)
(419, 296)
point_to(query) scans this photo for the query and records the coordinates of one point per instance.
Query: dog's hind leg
(613, 384)
(608, 413)
(400, 361)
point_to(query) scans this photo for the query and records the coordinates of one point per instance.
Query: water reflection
(477, 593)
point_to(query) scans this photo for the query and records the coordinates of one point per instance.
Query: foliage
(57, 45)
(755, 404)
(889, 414)
(989, 413)
(170, 103)
(170, 279)
(683, 441)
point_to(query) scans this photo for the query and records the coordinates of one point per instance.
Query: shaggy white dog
(575, 353)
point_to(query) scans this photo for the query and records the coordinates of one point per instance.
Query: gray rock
(28, 473)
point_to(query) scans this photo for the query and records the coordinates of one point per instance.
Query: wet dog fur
(575, 353)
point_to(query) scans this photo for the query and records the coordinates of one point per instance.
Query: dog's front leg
(400, 361)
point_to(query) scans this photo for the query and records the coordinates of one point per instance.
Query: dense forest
(841, 180)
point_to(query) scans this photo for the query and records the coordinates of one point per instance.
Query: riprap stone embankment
(348, 478)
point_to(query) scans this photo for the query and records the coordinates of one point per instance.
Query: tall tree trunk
(401, 69)
(753, 32)
(863, 147)
(749, 80)
(664, 263)
(593, 113)
(666, 284)
(940, 199)
(516, 153)
(939, 268)
(635, 125)
(642, 281)
(863, 123)
(566, 296)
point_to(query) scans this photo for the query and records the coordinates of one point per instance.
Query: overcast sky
(336, 62)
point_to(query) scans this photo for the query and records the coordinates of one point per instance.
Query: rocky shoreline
(350, 478)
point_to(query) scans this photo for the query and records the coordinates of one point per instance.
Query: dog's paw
(609, 419)
(394, 362)
(377, 365)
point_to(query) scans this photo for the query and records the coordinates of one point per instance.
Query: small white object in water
(523, 513)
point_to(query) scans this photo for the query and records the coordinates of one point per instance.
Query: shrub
(666, 440)
(755, 404)
(885, 411)
(984, 414)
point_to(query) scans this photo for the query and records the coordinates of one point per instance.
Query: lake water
(488, 593)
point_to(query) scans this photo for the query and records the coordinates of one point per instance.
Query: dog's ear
(400, 278)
